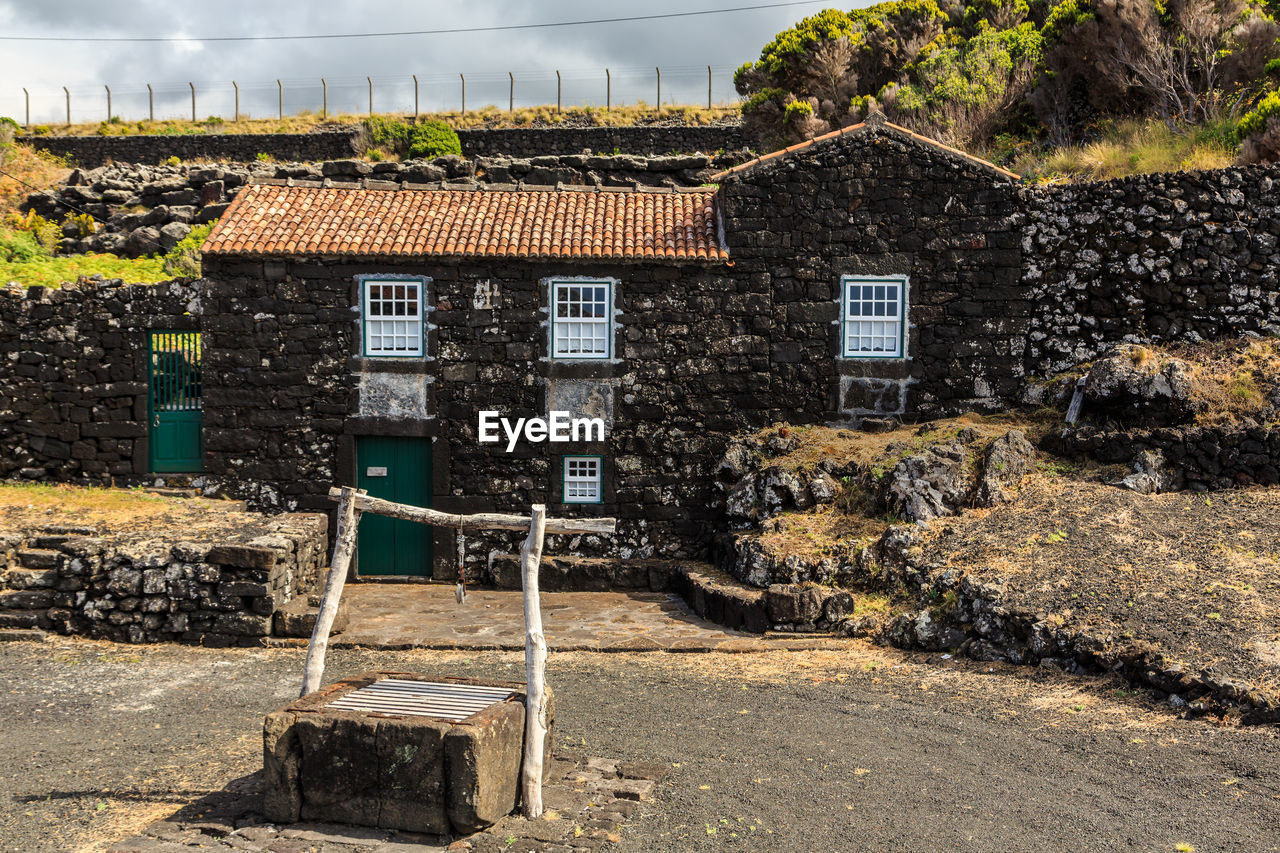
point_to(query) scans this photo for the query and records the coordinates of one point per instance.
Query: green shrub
(19, 247)
(433, 139)
(184, 258)
(173, 160)
(798, 109)
(387, 133)
(1255, 121)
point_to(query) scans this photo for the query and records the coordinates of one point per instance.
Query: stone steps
(26, 599)
(19, 620)
(39, 558)
(721, 598)
(29, 579)
(17, 635)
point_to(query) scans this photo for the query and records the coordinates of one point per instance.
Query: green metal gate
(175, 410)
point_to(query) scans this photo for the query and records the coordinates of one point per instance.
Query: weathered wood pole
(108, 88)
(343, 547)
(535, 665)
(279, 98)
(511, 93)
(27, 96)
(151, 103)
(236, 86)
(68, 93)
(193, 100)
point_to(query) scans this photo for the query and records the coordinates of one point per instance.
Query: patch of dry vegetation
(486, 117)
(27, 166)
(822, 532)
(882, 450)
(23, 504)
(1233, 379)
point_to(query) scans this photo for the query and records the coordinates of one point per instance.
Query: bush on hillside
(433, 139)
(1259, 131)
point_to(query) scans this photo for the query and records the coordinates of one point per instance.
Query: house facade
(352, 334)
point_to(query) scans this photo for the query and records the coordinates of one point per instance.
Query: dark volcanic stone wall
(1183, 256)
(73, 391)
(878, 204)
(92, 151)
(284, 403)
(89, 152)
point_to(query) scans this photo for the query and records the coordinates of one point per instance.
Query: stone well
(392, 769)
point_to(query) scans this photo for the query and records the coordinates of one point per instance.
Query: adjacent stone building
(352, 334)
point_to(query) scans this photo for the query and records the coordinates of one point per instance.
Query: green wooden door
(175, 406)
(397, 469)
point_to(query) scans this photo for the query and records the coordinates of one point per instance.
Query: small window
(873, 317)
(582, 319)
(393, 313)
(583, 480)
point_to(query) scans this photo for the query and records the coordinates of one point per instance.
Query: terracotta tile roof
(874, 122)
(544, 223)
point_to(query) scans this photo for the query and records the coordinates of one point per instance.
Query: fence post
(27, 95)
(108, 88)
(608, 90)
(280, 97)
(415, 98)
(708, 87)
(236, 86)
(659, 70)
(68, 91)
(151, 103)
(511, 94)
(370, 79)
(464, 93)
(324, 102)
(557, 91)
(193, 100)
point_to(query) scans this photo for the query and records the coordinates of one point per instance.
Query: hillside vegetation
(1037, 80)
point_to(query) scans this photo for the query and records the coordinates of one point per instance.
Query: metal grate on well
(453, 702)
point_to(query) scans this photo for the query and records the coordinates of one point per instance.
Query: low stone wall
(73, 387)
(216, 588)
(635, 139)
(93, 151)
(1196, 458)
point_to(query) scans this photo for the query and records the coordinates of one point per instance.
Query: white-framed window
(873, 316)
(583, 480)
(393, 310)
(581, 319)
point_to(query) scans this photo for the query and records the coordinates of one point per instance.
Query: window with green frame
(583, 480)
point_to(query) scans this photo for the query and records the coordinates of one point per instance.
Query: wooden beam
(343, 547)
(535, 665)
(478, 521)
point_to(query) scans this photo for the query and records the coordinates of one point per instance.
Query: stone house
(355, 333)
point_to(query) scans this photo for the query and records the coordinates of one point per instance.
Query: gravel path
(858, 749)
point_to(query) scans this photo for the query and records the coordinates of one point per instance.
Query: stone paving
(586, 802)
(426, 616)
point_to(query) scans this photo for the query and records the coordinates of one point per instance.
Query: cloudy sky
(682, 47)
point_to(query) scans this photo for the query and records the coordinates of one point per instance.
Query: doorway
(395, 469)
(175, 406)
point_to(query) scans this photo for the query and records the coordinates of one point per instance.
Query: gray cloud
(683, 47)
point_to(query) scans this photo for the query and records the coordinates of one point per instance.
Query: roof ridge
(875, 122)
(474, 187)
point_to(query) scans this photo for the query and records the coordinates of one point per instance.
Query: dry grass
(27, 165)
(80, 505)
(1126, 148)
(1234, 378)
(485, 117)
(873, 449)
(821, 532)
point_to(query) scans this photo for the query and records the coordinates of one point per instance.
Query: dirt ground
(855, 749)
(1194, 576)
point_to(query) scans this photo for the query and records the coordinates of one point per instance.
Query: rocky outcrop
(1133, 384)
(941, 479)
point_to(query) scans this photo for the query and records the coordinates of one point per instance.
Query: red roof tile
(279, 220)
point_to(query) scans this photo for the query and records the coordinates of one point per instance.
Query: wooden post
(370, 79)
(535, 665)
(279, 98)
(108, 88)
(464, 93)
(236, 86)
(415, 98)
(151, 103)
(324, 99)
(608, 90)
(511, 93)
(68, 91)
(557, 91)
(193, 100)
(343, 547)
(708, 87)
(659, 105)
(27, 96)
